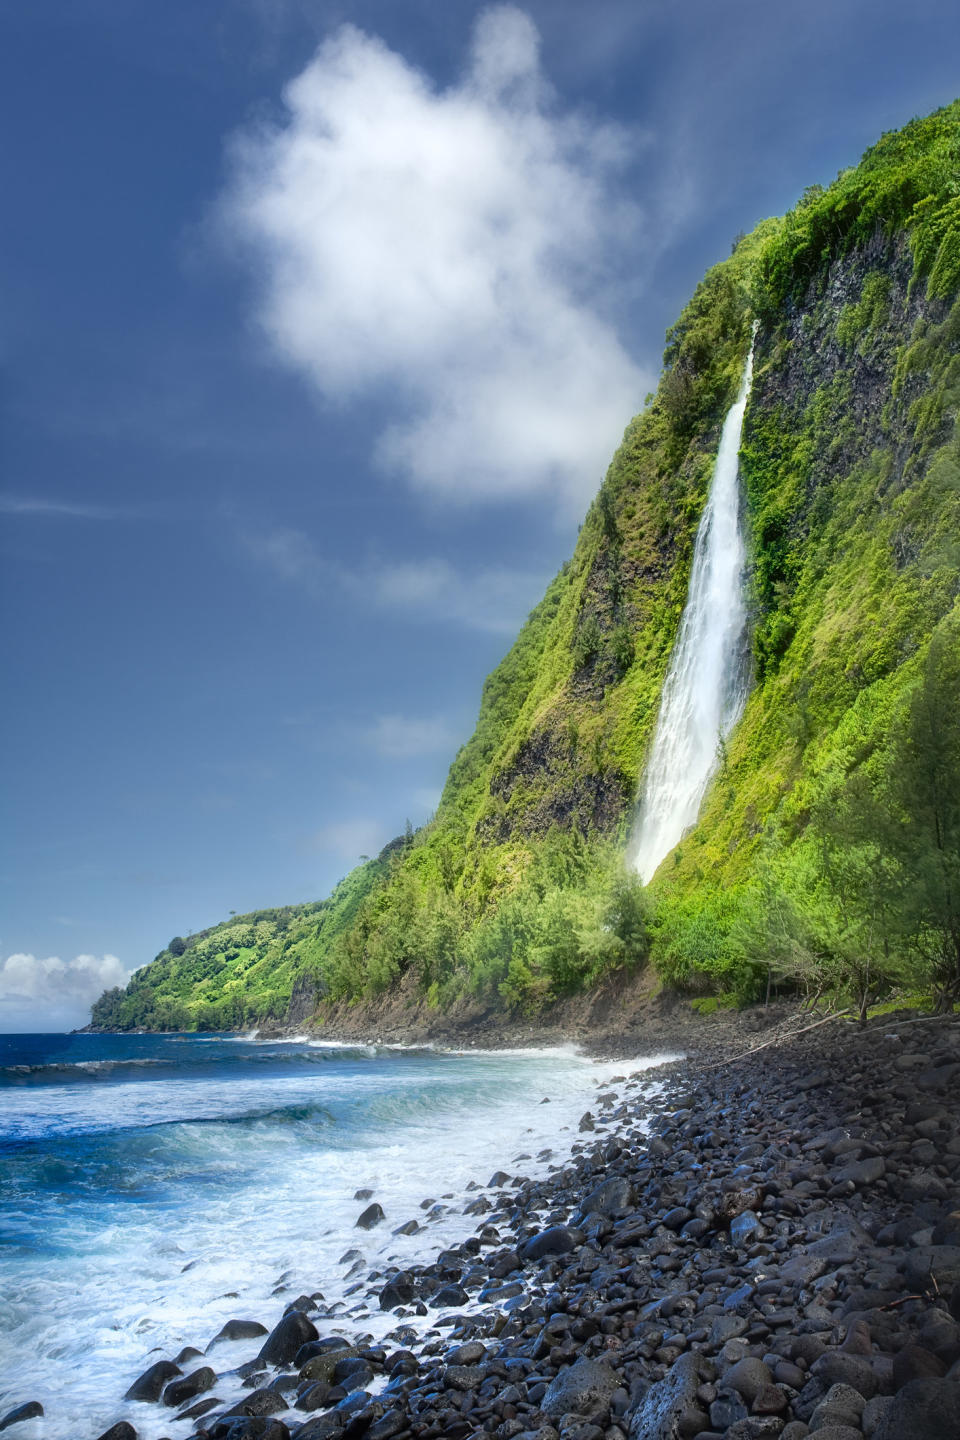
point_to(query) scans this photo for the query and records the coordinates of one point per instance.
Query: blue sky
(320, 324)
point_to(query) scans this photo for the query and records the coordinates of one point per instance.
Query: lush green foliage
(827, 853)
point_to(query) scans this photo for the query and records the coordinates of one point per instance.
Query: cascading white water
(706, 685)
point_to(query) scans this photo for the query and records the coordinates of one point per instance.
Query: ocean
(154, 1186)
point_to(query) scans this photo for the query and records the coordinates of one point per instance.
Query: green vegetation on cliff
(828, 849)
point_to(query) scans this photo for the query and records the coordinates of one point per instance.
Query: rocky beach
(760, 1239)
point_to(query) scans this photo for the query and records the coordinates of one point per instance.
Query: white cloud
(54, 994)
(491, 598)
(400, 737)
(350, 839)
(65, 509)
(450, 249)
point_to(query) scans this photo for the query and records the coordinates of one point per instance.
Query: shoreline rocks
(741, 1247)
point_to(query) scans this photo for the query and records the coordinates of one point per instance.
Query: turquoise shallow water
(153, 1186)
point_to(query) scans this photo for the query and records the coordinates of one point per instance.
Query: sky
(320, 323)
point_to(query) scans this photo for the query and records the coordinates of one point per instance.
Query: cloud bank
(447, 252)
(402, 737)
(54, 994)
(491, 598)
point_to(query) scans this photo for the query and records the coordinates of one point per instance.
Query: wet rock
(28, 1411)
(469, 1354)
(391, 1423)
(193, 1384)
(463, 1377)
(372, 1216)
(149, 1385)
(322, 1367)
(254, 1427)
(312, 1396)
(324, 1427)
(398, 1291)
(285, 1339)
(239, 1330)
(582, 1388)
(123, 1430)
(352, 1375)
(258, 1402)
(557, 1240)
(671, 1408)
(614, 1197)
(448, 1296)
(202, 1407)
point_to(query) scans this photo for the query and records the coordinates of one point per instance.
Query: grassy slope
(851, 469)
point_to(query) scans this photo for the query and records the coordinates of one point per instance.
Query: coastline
(619, 1019)
(740, 1245)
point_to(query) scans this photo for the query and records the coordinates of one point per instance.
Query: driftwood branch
(779, 1039)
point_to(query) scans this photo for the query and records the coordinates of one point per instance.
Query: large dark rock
(913, 1362)
(239, 1330)
(463, 1377)
(861, 1172)
(123, 1430)
(941, 1262)
(671, 1409)
(285, 1339)
(149, 1386)
(259, 1402)
(322, 1367)
(448, 1296)
(836, 1368)
(23, 1412)
(398, 1291)
(373, 1215)
(558, 1240)
(923, 1410)
(324, 1427)
(179, 1391)
(582, 1388)
(249, 1427)
(748, 1377)
(614, 1197)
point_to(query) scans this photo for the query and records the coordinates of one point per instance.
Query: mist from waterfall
(706, 685)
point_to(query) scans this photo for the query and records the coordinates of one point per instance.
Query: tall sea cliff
(826, 852)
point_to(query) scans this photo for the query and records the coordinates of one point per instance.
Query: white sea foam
(174, 1205)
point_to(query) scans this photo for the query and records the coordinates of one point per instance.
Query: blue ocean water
(153, 1186)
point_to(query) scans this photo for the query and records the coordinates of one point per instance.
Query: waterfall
(706, 685)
